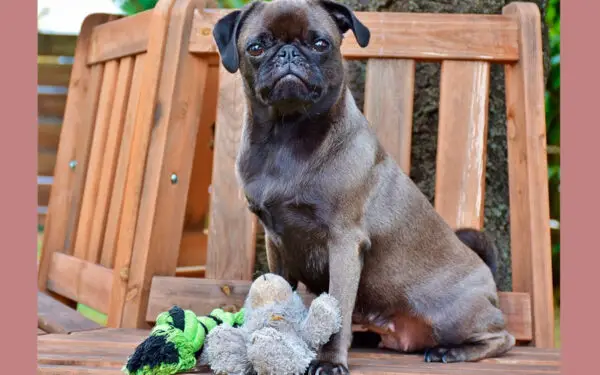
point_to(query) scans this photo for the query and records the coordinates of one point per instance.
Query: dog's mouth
(291, 87)
(289, 79)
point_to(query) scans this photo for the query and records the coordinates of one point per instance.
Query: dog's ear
(226, 33)
(345, 19)
(225, 36)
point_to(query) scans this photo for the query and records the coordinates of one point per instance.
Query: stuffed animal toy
(279, 334)
(176, 341)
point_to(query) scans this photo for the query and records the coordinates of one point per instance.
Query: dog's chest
(281, 193)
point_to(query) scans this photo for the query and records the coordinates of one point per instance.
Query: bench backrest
(123, 121)
(120, 216)
(466, 46)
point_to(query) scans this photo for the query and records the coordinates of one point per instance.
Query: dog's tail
(481, 244)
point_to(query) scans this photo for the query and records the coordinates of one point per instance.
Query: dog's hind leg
(480, 346)
(470, 330)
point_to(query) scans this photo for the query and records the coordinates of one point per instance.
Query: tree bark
(425, 121)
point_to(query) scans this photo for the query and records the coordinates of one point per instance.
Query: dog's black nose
(288, 53)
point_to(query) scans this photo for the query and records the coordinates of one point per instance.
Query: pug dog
(339, 214)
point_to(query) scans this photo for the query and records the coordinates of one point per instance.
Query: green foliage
(136, 6)
(232, 4)
(553, 127)
(553, 84)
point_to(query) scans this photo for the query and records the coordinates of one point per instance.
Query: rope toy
(176, 341)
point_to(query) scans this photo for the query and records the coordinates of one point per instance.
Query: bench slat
(191, 271)
(462, 134)
(77, 370)
(54, 74)
(121, 38)
(229, 256)
(389, 92)
(528, 173)
(51, 104)
(56, 45)
(48, 133)
(81, 281)
(54, 317)
(82, 249)
(44, 194)
(44, 188)
(82, 144)
(46, 160)
(107, 257)
(408, 36)
(107, 349)
(81, 359)
(109, 159)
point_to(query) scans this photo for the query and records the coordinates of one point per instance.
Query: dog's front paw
(326, 368)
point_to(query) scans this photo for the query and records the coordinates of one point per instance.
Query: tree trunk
(425, 121)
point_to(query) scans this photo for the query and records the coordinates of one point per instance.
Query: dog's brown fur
(339, 214)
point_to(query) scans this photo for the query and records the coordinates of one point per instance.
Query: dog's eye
(256, 49)
(321, 45)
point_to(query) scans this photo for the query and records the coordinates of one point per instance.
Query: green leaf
(232, 4)
(553, 172)
(135, 6)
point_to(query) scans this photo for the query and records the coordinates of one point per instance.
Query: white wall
(66, 16)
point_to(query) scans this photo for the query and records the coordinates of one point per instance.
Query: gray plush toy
(280, 336)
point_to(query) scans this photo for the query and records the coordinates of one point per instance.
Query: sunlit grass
(92, 314)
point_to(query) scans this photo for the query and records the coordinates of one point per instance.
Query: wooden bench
(130, 198)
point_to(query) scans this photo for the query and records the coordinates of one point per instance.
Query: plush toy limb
(273, 352)
(220, 317)
(176, 340)
(225, 351)
(323, 320)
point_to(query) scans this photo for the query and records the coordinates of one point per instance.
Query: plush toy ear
(226, 33)
(346, 19)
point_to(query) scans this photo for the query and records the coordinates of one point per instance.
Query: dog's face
(288, 51)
